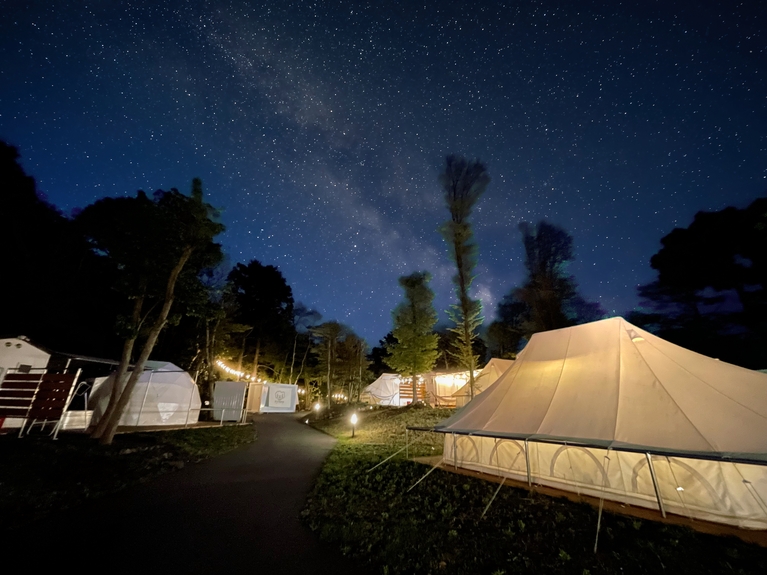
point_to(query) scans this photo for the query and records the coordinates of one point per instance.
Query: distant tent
(383, 391)
(494, 369)
(609, 410)
(435, 387)
(165, 395)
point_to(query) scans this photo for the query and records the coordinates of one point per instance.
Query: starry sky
(319, 128)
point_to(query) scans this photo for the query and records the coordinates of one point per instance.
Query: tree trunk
(122, 368)
(254, 374)
(293, 359)
(154, 333)
(303, 363)
(330, 400)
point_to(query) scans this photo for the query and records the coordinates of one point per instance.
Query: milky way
(320, 128)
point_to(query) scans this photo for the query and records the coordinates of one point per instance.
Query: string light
(232, 371)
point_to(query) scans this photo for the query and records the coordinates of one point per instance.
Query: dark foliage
(549, 298)
(711, 292)
(437, 527)
(54, 289)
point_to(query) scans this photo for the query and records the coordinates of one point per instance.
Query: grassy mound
(438, 527)
(386, 427)
(39, 475)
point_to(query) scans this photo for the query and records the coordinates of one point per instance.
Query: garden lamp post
(354, 422)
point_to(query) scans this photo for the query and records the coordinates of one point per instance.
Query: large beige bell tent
(609, 410)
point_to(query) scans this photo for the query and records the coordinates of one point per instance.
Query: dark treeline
(95, 284)
(710, 294)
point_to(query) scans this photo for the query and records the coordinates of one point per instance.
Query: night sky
(319, 128)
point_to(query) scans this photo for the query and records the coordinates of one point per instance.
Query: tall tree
(328, 335)
(549, 298)
(548, 249)
(352, 364)
(265, 302)
(304, 319)
(153, 244)
(463, 182)
(415, 351)
(379, 354)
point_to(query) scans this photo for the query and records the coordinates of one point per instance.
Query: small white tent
(383, 391)
(609, 410)
(166, 395)
(494, 369)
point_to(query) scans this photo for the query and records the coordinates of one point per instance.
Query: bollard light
(317, 406)
(354, 422)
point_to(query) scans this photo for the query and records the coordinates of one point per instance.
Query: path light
(354, 422)
(317, 406)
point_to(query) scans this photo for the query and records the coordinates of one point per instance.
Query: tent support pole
(489, 503)
(527, 464)
(655, 485)
(425, 476)
(602, 499)
(143, 401)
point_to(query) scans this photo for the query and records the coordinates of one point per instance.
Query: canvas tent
(436, 387)
(494, 369)
(383, 391)
(164, 395)
(609, 410)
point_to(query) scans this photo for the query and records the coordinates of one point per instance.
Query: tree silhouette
(463, 182)
(153, 245)
(711, 291)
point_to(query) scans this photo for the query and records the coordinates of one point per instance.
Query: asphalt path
(237, 513)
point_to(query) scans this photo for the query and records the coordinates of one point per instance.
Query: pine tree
(464, 182)
(415, 350)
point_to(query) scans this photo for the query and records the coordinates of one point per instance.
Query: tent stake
(489, 503)
(655, 485)
(425, 476)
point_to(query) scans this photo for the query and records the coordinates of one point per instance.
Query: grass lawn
(39, 475)
(437, 527)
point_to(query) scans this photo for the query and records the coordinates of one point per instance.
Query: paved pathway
(238, 513)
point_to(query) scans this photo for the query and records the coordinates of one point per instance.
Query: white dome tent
(164, 395)
(609, 410)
